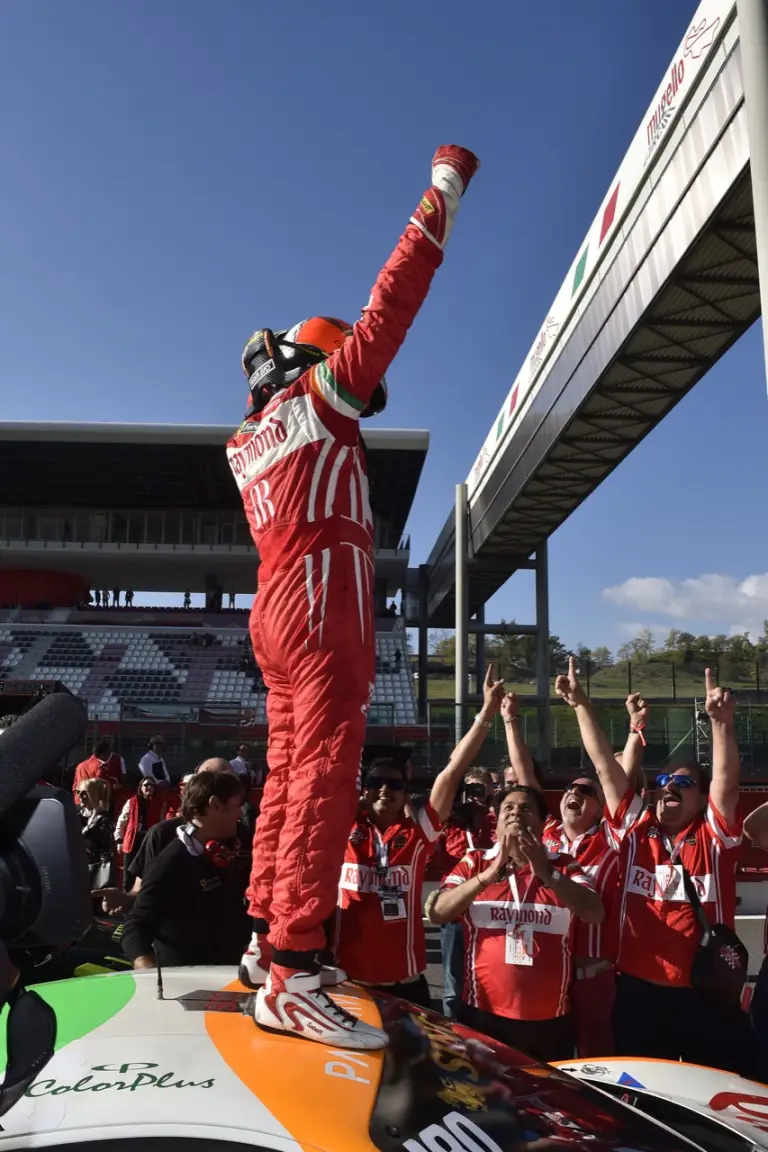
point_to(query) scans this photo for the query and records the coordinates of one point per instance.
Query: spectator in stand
(97, 598)
(187, 599)
(129, 599)
(756, 828)
(232, 600)
(116, 598)
(497, 782)
(695, 827)
(582, 834)
(98, 832)
(102, 764)
(105, 598)
(470, 826)
(517, 903)
(379, 924)
(145, 809)
(153, 765)
(191, 907)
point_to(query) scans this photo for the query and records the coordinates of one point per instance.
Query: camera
(45, 900)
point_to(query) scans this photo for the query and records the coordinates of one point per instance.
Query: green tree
(558, 655)
(672, 642)
(640, 649)
(601, 657)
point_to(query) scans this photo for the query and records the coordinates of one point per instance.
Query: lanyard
(518, 903)
(382, 853)
(674, 851)
(470, 842)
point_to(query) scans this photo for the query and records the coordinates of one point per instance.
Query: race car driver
(299, 463)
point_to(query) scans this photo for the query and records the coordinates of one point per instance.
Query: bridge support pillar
(753, 38)
(461, 532)
(542, 654)
(480, 651)
(423, 659)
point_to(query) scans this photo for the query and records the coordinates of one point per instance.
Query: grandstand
(154, 508)
(130, 672)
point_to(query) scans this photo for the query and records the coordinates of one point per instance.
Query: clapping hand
(535, 853)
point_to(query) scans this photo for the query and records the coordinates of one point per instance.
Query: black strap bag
(721, 963)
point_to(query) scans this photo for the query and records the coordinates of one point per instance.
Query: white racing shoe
(297, 1004)
(254, 971)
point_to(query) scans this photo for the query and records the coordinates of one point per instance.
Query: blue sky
(179, 172)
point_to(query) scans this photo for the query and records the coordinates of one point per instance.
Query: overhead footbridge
(664, 283)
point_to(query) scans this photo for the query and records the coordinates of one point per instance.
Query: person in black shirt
(116, 902)
(191, 905)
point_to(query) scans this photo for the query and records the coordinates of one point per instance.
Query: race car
(171, 1058)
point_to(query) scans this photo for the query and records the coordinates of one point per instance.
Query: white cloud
(723, 603)
(630, 629)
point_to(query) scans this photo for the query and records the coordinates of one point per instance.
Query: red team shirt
(518, 938)
(379, 926)
(598, 859)
(659, 931)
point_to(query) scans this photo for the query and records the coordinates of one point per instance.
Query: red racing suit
(301, 470)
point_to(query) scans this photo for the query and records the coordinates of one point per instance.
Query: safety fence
(676, 732)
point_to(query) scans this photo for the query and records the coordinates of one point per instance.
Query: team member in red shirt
(756, 828)
(102, 764)
(517, 903)
(695, 826)
(379, 924)
(581, 834)
(471, 826)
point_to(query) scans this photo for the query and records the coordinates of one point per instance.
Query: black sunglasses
(378, 782)
(587, 790)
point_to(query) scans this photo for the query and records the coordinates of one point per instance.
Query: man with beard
(695, 827)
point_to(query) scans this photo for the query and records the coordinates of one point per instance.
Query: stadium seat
(111, 668)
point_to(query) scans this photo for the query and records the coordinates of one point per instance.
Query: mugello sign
(701, 39)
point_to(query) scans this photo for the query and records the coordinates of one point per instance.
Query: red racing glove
(452, 170)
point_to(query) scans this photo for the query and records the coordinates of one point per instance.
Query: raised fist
(452, 169)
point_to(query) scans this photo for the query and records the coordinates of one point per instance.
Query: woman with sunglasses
(379, 923)
(694, 827)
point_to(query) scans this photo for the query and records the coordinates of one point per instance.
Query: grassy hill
(657, 679)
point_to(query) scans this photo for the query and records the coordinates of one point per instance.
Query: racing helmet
(272, 361)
